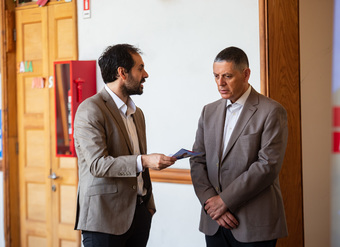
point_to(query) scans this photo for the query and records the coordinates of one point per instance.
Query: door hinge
(17, 147)
(14, 34)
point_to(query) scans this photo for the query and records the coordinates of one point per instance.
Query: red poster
(336, 142)
(336, 116)
(86, 4)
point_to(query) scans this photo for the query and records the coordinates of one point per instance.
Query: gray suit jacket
(107, 189)
(247, 177)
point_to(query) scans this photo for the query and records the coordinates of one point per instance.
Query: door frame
(9, 131)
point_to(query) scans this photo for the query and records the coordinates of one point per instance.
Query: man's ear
(122, 73)
(247, 73)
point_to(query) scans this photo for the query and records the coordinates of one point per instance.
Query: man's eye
(226, 76)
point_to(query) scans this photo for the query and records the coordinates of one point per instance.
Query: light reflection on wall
(336, 129)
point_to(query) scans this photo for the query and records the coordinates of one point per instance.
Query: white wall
(180, 39)
(177, 217)
(316, 68)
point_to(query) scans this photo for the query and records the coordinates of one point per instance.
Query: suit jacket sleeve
(199, 175)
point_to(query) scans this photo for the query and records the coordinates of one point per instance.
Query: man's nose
(146, 75)
(221, 81)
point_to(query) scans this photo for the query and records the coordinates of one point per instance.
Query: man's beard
(131, 87)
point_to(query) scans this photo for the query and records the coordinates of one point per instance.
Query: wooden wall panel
(284, 86)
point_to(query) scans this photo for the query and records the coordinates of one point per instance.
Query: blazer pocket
(247, 147)
(250, 136)
(102, 189)
(264, 209)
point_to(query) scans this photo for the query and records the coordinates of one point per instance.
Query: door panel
(47, 206)
(62, 33)
(33, 114)
(63, 43)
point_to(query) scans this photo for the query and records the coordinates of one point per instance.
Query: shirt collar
(128, 109)
(242, 100)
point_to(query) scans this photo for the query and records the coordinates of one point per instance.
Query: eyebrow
(226, 73)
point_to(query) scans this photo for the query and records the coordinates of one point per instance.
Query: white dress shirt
(126, 112)
(232, 115)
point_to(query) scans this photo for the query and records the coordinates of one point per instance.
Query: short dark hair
(235, 55)
(114, 57)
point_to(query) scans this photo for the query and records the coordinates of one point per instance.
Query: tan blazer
(247, 177)
(107, 190)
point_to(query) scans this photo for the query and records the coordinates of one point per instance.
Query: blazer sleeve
(265, 170)
(92, 126)
(198, 166)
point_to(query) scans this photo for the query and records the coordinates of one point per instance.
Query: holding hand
(157, 161)
(228, 220)
(218, 211)
(215, 207)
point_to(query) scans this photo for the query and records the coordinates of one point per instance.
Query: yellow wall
(316, 23)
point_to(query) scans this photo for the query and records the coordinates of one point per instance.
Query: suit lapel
(140, 131)
(138, 119)
(248, 111)
(219, 127)
(116, 115)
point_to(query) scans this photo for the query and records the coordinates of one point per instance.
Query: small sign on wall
(336, 125)
(86, 9)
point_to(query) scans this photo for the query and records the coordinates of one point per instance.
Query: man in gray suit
(242, 138)
(115, 202)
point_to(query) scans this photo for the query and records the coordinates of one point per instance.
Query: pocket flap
(102, 189)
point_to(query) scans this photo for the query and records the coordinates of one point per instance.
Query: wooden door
(33, 129)
(47, 205)
(63, 47)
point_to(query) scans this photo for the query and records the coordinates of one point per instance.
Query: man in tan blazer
(242, 138)
(115, 201)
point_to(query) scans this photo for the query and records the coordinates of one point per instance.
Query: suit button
(217, 189)
(217, 164)
(134, 187)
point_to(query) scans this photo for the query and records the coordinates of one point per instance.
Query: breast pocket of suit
(247, 146)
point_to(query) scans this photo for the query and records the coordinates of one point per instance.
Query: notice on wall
(86, 9)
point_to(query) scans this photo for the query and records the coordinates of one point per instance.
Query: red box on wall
(74, 81)
(336, 116)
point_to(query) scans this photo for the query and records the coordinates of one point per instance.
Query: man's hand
(157, 161)
(228, 220)
(152, 211)
(215, 207)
